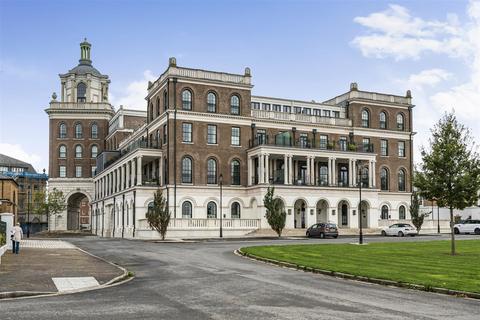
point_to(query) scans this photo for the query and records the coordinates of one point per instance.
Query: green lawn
(427, 263)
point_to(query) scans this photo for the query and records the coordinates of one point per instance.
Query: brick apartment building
(203, 129)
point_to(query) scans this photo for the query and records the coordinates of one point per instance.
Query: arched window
(211, 210)
(165, 100)
(94, 131)
(78, 151)
(234, 105)
(78, 131)
(235, 172)
(211, 102)
(365, 118)
(383, 120)
(401, 180)
(151, 112)
(401, 213)
(384, 215)
(62, 132)
(211, 171)
(235, 210)
(158, 106)
(400, 122)
(81, 92)
(384, 179)
(150, 206)
(62, 151)
(186, 170)
(94, 151)
(186, 100)
(187, 210)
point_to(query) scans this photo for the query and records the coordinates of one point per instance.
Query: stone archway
(300, 208)
(78, 212)
(322, 211)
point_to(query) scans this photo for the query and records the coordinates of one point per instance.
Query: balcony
(303, 143)
(107, 158)
(300, 117)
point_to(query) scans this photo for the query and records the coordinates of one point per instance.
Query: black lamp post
(360, 239)
(220, 180)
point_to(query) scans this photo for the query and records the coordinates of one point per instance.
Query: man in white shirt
(17, 234)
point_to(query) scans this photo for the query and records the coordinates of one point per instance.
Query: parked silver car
(400, 230)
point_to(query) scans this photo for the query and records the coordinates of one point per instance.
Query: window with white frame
(187, 132)
(235, 141)
(212, 134)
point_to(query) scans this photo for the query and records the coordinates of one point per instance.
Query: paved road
(207, 281)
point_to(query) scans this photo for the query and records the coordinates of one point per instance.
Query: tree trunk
(452, 233)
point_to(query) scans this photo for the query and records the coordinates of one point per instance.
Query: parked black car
(322, 230)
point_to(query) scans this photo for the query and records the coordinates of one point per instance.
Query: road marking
(74, 283)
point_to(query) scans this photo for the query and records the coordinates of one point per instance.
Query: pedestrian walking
(17, 235)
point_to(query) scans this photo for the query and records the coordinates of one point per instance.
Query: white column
(350, 171)
(128, 173)
(249, 170)
(290, 169)
(370, 173)
(139, 171)
(267, 168)
(261, 169)
(312, 171)
(285, 169)
(134, 172)
(374, 179)
(309, 162)
(354, 172)
(329, 166)
(295, 169)
(334, 172)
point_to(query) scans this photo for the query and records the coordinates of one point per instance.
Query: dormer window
(81, 92)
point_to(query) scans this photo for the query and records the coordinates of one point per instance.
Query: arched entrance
(300, 208)
(322, 211)
(343, 209)
(364, 211)
(78, 212)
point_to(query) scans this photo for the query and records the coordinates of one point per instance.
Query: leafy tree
(450, 170)
(417, 217)
(275, 215)
(158, 216)
(49, 204)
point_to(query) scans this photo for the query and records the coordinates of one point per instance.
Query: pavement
(52, 266)
(206, 280)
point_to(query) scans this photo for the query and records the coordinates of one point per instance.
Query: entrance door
(344, 215)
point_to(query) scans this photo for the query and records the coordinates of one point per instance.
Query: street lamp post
(221, 214)
(360, 239)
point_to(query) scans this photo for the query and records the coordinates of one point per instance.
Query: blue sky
(296, 49)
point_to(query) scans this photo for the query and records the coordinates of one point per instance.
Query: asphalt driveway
(205, 280)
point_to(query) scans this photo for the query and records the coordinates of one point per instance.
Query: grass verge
(426, 263)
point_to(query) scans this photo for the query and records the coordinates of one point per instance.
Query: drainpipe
(175, 148)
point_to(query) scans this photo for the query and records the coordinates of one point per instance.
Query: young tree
(158, 216)
(450, 170)
(49, 204)
(275, 215)
(417, 217)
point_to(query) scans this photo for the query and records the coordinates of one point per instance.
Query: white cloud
(427, 78)
(136, 91)
(16, 151)
(396, 33)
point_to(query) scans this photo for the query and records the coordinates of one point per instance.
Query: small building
(29, 182)
(9, 196)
